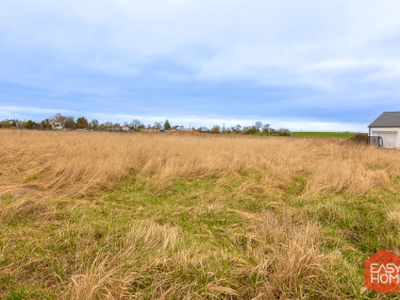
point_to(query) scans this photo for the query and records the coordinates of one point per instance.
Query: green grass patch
(324, 134)
(210, 236)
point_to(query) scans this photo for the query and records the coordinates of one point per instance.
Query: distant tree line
(61, 122)
(257, 129)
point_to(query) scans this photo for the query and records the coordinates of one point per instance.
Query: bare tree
(69, 122)
(215, 129)
(266, 128)
(135, 124)
(59, 118)
(94, 124)
(157, 125)
(236, 128)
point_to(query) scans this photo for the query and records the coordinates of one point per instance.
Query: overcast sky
(312, 65)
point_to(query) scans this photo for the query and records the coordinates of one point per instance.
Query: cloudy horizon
(302, 65)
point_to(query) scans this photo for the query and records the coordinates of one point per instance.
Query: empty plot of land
(89, 215)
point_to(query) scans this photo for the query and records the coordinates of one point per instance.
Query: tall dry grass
(208, 243)
(288, 267)
(72, 164)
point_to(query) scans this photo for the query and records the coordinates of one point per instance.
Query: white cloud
(273, 42)
(34, 110)
(349, 51)
(26, 112)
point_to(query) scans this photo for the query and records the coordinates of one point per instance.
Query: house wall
(384, 131)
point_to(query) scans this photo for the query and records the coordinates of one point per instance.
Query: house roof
(387, 119)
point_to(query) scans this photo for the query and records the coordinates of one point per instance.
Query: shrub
(284, 132)
(359, 138)
(215, 129)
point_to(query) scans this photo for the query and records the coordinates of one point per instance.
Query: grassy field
(324, 134)
(88, 215)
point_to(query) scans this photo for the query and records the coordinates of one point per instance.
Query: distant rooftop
(387, 119)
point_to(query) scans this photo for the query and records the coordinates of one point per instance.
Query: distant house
(178, 127)
(56, 125)
(387, 128)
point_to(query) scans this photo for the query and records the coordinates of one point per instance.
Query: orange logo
(382, 272)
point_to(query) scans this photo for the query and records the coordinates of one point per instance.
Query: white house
(387, 126)
(56, 125)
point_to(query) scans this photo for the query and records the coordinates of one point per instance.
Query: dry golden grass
(73, 164)
(94, 215)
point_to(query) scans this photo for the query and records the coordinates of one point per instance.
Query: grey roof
(387, 119)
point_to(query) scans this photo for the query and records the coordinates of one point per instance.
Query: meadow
(96, 215)
(324, 134)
